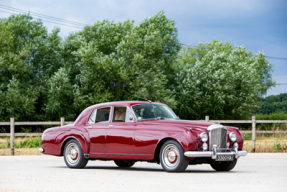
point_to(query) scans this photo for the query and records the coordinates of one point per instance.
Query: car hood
(185, 123)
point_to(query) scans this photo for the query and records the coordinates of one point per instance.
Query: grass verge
(21, 142)
(21, 151)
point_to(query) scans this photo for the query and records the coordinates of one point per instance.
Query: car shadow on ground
(149, 169)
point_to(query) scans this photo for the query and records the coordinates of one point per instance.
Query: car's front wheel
(73, 155)
(224, 165)
(172, 157)
(124, 163)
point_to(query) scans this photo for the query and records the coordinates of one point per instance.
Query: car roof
(82, 118)
(126, 103)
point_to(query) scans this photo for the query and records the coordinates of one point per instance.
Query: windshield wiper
(161, 118)
(148, 119)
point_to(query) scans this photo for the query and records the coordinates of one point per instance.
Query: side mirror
(131, 118)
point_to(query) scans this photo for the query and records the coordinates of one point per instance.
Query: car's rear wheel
(224, 165)
(172, 157)
(73, 155)
(124, 163)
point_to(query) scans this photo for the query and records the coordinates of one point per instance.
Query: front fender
(187, 140)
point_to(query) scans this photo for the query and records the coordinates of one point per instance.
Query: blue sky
(260, 25)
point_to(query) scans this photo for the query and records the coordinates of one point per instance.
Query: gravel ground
(255, 172)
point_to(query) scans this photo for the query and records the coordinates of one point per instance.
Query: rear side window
(121, 114)
(100, 115)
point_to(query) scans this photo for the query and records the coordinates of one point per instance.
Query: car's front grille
(218, 137)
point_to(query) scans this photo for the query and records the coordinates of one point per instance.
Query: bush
(271, 126)
(272, 116)
(31, 142)
(247, 136)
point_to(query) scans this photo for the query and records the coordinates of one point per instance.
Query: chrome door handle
(110, 126)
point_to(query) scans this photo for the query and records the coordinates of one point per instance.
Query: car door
(97, 128)
(120, 134)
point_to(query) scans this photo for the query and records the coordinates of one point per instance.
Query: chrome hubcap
(72, 153)
(170, 156)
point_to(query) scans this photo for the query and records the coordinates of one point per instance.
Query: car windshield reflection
(152, 111)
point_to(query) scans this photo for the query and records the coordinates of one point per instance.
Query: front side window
(121, 114)
(100, 115)
(151, 111)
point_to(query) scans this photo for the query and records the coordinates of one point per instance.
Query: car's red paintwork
(138, 140)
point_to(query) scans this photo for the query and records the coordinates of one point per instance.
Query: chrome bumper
(212, 154)
(41, 150)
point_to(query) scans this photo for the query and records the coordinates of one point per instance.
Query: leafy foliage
(220, 80)
(31, 142)
(272, 116)
(28, 142)
(111, 62)
(44, 77)
(273, 104)
(28, 56)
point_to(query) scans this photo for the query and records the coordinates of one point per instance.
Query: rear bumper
(212, 154)
(41, 150)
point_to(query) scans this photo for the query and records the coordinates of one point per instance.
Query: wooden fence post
(62, 121)
(253, 133)
(206, 118)
(12, 126)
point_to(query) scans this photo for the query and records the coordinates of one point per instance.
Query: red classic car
(130, 131)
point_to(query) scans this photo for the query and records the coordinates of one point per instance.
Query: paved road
(255, 172)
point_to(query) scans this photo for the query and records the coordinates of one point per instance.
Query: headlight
(203, 137)
(232, 137)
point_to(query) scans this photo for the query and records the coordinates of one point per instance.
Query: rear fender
(81, 139)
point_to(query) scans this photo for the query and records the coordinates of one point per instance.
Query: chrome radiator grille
(218, 137)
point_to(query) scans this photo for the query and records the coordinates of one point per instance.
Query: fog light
(227, 145)
(203, 137)
(235, 145)
(204, 146)
(232, 137)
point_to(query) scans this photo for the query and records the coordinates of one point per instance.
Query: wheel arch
(160, 144)
(66, 141)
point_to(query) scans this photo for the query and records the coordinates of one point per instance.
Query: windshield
(151, 111)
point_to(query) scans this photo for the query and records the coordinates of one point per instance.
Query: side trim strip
(120, 154)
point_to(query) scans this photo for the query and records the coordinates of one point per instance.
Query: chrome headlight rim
(232, 137)
(203, 137)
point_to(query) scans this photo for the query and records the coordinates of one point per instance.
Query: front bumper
(213, 154)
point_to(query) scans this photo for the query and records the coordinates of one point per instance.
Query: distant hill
(272, 104)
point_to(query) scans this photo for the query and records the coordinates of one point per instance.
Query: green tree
(272, 104)
(17, 102)
(149, 53)
(220, 80)
(28, 57)
(119, 61)
(60, 97)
